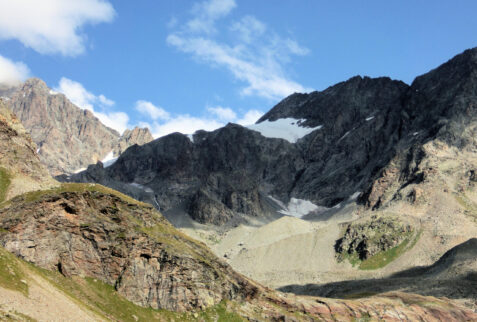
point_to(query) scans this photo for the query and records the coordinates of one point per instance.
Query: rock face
(93, 231)
(137, 135)
(441, 110)
(20, 167)
(367, 239)
(215, 176)
(368, 136)
(68, 137)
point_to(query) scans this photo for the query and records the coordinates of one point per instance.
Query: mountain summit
(350, 132)
(68, 138)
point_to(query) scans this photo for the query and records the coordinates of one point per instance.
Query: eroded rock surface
(371, 140)
(367, 239)
(84, 230)
(68, 138)
(20, 166)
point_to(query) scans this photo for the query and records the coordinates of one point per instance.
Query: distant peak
(35, 82)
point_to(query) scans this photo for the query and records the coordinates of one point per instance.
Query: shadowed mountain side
(453, 276)
(355, 130)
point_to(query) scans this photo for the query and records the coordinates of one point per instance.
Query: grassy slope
(96, 296)
(93, 294)
(4, 183)
(163, 232)
(382, 259)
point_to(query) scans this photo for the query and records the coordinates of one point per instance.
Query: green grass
(470, 208)
(219, 313)
(5, 180)
(78, 187)
(353, 258)
(102, 299)
(360, 295)
(384, 258)
(11, 274)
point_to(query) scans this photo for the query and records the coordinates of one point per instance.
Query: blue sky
(185, 65)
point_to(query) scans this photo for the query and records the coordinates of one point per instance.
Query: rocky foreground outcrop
(68, 138)
(88, 230)
(364, 240)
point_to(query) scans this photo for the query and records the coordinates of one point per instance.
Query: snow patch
(288, 129)
(52, 92)
(38, 150)
(345, 135)
(299, 208)
(415, 133)
(79, 170)
(278, 202)
(108, 160)
(369, 118)
(140, 186)
(5, 98)
(354, 196)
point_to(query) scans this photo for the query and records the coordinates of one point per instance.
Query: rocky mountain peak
(36, 83)
(358, 96)
(68, 137)
(358, 127)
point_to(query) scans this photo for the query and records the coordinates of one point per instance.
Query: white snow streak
(287, 129)
(369, 118)
(108, 160)
(140, 186)
(296, 207)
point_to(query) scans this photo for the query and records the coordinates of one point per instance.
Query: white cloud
(76, 93)
(149, 109)
(213, 118)
(115, 120)
(84, 99)
(255, 55)
(223, 113)
(185, 124)
(159, 121)
(264, 78)
(206, 13)
(12, 73)
(248, 28)
(105, 101)
(250, 117)
(52, 26)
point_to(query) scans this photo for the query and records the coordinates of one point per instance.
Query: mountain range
(364, 191)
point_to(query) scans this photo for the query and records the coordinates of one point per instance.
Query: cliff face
(68, 137)
(89, 230)
(355, 130)
(20, 167)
